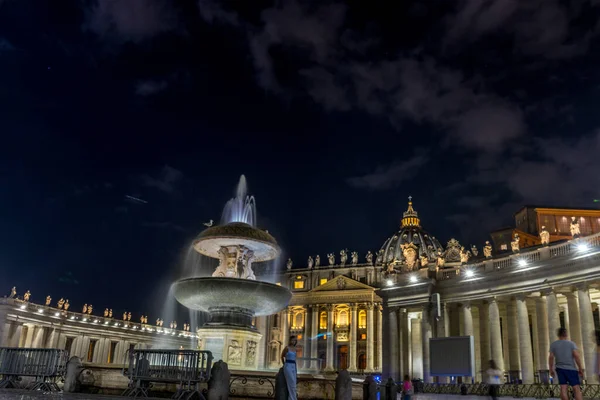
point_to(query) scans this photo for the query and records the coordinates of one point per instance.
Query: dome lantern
(410, 216)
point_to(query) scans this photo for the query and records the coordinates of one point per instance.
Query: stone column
(416, 349)
(484, 336)
(553, 315)
(329, 363)
(467, 319)
(29, 336)
(426, 335)
(315, 335)
(495, 333)
(390, 331)
(513, 340)
(306, 335)
(525, 350)
(16, 337)
(404, 343)
(379, 338)
(575, 323)
(285, 327)
(353, 338)
(370, 338)
(587, 332)
(4, 329)
(443, 325)
(543, 337)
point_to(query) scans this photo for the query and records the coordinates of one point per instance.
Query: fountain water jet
(232, 296)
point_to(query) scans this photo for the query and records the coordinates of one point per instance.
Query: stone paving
(13, 394)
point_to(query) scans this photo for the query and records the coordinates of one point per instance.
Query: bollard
(218, 384)
(391, 389)
(369, 388)
(343, 386)
(281, 391)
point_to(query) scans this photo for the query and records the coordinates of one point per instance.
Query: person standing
(494, 379)
(288, 358)
(407, 388)
(565, 365)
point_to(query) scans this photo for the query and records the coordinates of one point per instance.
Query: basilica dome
(410, 247)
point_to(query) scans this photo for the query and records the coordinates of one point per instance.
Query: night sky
(334, 111)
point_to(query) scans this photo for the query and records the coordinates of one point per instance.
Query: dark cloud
(212, 12)
(391, 175)
(165, 181)
(150, 87)
(541, 28)
(131, 20)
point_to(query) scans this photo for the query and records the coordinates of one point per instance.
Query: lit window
(363, 336)
(299, 320)
(299, 277)
(362, 319)
(503, 247)
(322, 281)
(342, 318)
(298, 284)
(323, 320)
(300, 337)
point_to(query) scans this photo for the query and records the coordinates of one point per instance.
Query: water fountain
(233, 296)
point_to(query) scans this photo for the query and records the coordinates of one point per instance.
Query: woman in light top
(288, 358)
(494, 379)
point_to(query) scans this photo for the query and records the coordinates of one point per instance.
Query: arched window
(276, 320)
(342, 319)
(323, 320)
(362, 319)
(299, 320)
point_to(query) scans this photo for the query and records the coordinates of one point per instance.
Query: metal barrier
(186, 368)
(537, 390)
(45, 365)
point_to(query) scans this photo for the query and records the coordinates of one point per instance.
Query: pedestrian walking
(494, 379)
(407, 388)
(565, 365)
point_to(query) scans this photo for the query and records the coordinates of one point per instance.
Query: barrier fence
(44, 365)
(186, 368)
(537, 390)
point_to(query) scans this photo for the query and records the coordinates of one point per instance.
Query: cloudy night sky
(334, 111)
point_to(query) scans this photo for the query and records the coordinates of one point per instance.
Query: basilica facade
(378, 315)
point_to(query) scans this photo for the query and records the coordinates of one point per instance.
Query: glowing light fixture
(23, 307)
(56, 314)
(40, 311)
(389, 282)
(73, 317)
(522, 263)
(413, 279)
(469, 273)
(582, 247)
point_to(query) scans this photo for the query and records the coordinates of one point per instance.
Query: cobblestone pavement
(14, 394)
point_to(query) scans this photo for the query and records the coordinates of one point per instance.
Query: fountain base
(238, 347)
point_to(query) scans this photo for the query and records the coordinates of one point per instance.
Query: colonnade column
(306, 336)
(404, 343)
(390, 336)
(426, 335)
(587, 331)
(495, 333)
(285, 327)
(353, 338)
(379, 337)
(314, 346)
(330, 339)
(513, 341)
(525, 350)
(574, 327)
(467, 324)
(370, 338)
(541, 311)
(484, 336)
(553, 315)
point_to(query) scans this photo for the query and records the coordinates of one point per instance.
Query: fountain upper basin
(204, 294)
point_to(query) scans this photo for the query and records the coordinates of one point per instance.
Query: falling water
(241, 208)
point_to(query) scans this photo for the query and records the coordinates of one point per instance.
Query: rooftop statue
(354, 257)
(369, 257)
(318, 261)
(545, 236)
(515, 244)
(452, 250)
(67, 305)
(441, 261)
(487, 249)
(311, 262)
(110, 313)
(331, 258)
(13, 292)
(474, 250)
(60, 303)
(90, 308)
(380, 257)
(48, 300)
(289, 264)
(27, 295)
(424, 261)
(464, 255)
(343, 257)
(129, 316)
(106, 313)
(84, 311)
(575, 231)
(125, 316)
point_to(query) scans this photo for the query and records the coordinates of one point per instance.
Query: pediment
(342, 283)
